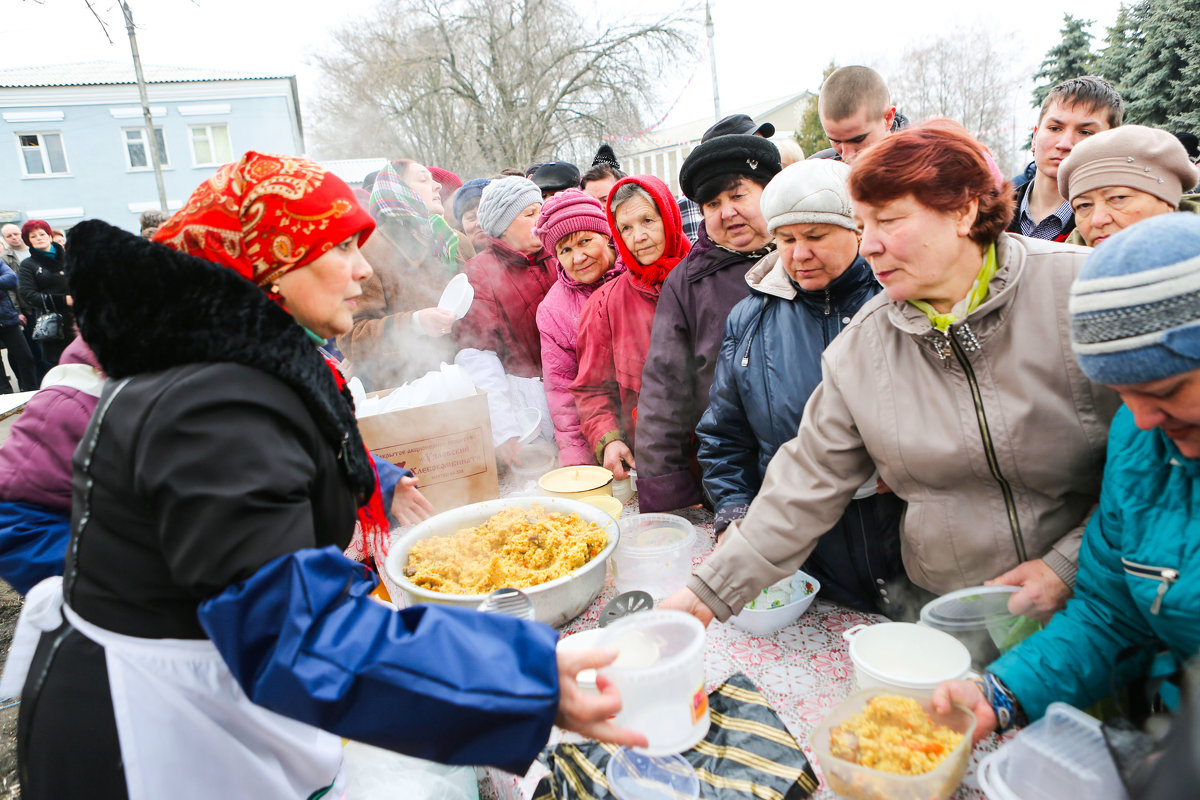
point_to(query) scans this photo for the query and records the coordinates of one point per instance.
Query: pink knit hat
(569, 211)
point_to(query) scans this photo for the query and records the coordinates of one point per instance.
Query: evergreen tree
(1123, 39)
(1158, 91)
(1070, 58)
(811, 135)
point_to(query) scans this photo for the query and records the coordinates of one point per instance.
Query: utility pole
(151, 139)
(712, 61)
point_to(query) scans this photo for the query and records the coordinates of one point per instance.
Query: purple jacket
(685, 345)
(35, 461)
(558, 323)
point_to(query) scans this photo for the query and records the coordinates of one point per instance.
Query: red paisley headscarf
(263, 216)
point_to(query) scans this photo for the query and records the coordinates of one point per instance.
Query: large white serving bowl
(555, 602)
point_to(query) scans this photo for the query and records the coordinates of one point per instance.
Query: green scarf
(964, 307)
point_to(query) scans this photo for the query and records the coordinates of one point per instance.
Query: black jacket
(42, 282)
(770, 363)
(222, 382)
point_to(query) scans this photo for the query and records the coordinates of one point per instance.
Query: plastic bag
(377, 774)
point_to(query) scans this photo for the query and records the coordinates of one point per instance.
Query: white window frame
(208, 128)
(164, 156)
(21, 150)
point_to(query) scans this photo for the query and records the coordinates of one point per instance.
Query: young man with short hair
(856, 112)
(1073, 110)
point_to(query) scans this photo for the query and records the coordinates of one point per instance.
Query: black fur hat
(707, 168)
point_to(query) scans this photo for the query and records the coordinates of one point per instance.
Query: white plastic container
(654, 555)
(902, 655)
(802, 589)
(660, 675)
(1063, 754)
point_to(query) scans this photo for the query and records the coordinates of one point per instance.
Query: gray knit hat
(503, 200)
(809, 191)
(1135, 306)
(1142, 158)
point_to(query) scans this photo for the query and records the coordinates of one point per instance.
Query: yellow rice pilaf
(893, 734)
(516, 547)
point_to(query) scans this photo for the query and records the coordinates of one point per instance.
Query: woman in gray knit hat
(501, 346)
(1120, 176)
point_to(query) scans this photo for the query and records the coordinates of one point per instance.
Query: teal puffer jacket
(1138, 586)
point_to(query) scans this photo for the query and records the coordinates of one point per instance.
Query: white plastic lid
(905, 654)
(972, 608)
(634, 776)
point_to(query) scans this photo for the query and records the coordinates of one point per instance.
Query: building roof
(690, 132)
(107, 73)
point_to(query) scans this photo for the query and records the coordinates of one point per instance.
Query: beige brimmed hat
(1147, 159)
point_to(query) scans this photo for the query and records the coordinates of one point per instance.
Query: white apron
(187, 730)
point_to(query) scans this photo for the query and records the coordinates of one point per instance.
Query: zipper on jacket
(989, 448)
(750, 339)
(1166, 576)
(828, 310)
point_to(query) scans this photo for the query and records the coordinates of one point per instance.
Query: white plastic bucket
(902, 655)
(660, 676)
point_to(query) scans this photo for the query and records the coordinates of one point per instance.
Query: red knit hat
(34, 225)
(449, 182)
(569, 211)
(265, 215)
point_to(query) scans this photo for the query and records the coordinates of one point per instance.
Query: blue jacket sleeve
(303, 639)
(33, 544)
(1075, 659)
(8, 278)
(728, 448)
(389, 476)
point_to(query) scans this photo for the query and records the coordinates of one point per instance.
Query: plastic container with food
(905, 656)
(659, 673)
(856, 782)
(1063, 754)
(979, 618)
(779, 605)
(655, 554)
(576, 482)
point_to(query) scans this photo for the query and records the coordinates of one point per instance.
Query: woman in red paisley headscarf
(208, 637)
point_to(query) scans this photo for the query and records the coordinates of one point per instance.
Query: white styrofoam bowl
(903, 655)
(764, 621)
(555, 602)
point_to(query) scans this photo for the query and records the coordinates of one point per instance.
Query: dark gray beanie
(502, 200)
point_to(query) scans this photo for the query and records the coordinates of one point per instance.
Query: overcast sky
(765, 48)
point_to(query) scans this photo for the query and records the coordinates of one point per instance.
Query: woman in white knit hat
(502, 349)
(801, 296)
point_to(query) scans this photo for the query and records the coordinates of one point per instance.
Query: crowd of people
(886, 364)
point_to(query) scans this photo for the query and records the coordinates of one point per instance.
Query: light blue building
(73, 139)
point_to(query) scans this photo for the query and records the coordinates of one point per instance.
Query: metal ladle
(507, 600)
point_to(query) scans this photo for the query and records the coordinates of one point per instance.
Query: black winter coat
(695, 301)
(770, 363)
(42, 282)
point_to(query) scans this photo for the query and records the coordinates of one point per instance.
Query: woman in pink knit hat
(572, 225)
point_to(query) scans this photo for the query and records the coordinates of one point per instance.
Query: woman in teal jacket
(1135, 317)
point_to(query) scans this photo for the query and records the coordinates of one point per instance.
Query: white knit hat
(503, 200)
(809, 191)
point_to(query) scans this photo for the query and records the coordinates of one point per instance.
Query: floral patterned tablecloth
(804, 670)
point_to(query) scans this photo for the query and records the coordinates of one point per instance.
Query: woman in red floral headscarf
(208, 637)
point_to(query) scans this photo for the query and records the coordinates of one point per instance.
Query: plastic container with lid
(905, 656)
(857, 782)
(660, 674)
(654, 555)
(979, 618)
(1062, 755)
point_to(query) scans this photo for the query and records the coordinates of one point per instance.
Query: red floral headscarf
(265, 215)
